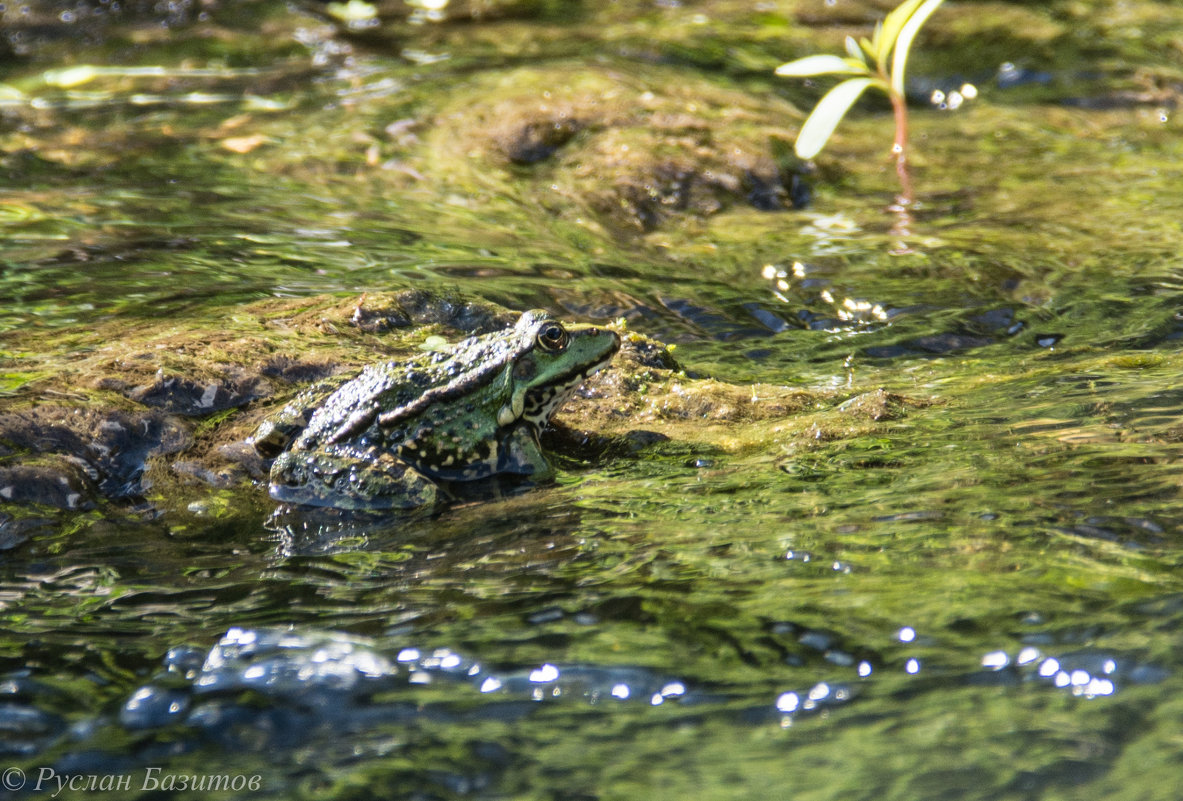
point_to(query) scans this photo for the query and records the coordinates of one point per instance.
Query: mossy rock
(162, 411)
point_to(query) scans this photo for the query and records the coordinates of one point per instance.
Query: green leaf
(819, 65)
(827, 114)
(903, 43)
(853, 50)
(868, 45)
(893, 23)
(872, 46)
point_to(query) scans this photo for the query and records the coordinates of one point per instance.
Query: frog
(401, 431)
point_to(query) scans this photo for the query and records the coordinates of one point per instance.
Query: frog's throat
(542, 402)
(562, 385)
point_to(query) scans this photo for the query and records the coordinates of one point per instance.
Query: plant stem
(902, 208)
(900, 147)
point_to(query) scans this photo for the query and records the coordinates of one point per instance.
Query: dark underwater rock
(63, 456)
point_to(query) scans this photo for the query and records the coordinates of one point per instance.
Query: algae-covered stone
(274, 363)
(631, 149)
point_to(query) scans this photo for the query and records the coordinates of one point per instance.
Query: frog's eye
(553, 337)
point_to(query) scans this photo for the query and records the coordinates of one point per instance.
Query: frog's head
(551, 361)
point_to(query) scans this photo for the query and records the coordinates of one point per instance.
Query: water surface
(975, 598)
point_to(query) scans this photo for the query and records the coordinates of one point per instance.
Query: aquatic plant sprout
(868, 62)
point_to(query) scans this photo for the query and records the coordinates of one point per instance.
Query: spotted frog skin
(386, 438)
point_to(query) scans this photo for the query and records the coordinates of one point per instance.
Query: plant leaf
(903, 43)
(827, 114)
(893, 23)
(853, 50)
(819, 65)
(872, 46)
(868, 45)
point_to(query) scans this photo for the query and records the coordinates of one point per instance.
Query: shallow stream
(973, 598)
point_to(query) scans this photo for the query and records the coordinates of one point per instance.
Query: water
(942, 564)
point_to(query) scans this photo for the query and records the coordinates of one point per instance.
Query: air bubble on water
(1028, 655)
(788, 702)
(996, 660)
(547, 672)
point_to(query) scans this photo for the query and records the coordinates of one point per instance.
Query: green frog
(388, 437)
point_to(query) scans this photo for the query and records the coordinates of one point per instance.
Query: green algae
(979, 439)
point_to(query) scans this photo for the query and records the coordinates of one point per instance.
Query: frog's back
(402, 390)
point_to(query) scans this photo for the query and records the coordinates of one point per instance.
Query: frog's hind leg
(384, 482)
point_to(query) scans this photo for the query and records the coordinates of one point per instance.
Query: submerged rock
(54, 481)
(634, 151)
(65, 456)
(185, 396)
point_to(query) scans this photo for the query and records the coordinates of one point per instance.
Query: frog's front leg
(520, 453)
